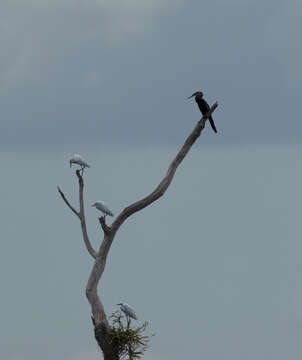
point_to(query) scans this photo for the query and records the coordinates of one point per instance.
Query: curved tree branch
(96, 273)
(166, 181)
(89, 247)
(68, 204)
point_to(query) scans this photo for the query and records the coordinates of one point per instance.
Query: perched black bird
(203, 107)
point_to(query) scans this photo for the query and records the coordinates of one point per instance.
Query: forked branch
(80, 214)
(100, 257)
(104, 226)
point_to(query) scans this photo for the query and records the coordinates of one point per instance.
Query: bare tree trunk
(103, 338)
(101, 326)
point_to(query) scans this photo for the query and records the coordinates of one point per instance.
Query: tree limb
(68, 204)
(89, 247)
(96, 273)
(166, 181)
(81, 214)
(104, 226)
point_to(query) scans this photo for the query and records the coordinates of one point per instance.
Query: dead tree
(101, 326)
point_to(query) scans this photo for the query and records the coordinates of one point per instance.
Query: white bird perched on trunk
(100, 205)
(79, 160)
(129, 312)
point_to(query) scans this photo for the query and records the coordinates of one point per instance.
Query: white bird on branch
(100, 205)
(129, 312)
(79, 160)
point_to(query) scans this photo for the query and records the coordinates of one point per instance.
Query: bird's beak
(118, 304)
(192, 95)
(70, 162)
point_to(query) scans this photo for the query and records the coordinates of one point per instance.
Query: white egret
(129, 312)
(79, 160)
(100, 205)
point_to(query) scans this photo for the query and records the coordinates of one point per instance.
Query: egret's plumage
(127, 309)
(100, 205)
(79, 160)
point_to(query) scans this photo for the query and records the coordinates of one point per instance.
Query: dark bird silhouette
(203, 107)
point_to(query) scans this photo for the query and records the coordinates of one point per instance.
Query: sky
(215, 264)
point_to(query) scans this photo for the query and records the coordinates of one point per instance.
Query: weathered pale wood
(68, 203)
(96, 273)
(166, 181)
(80, 214)
(98, 313)
(87, 242)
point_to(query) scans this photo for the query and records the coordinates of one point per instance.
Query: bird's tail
(212, 124)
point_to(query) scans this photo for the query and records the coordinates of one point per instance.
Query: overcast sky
(215, 265)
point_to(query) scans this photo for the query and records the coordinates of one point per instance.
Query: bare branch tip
(67, 203)
(80, 177)
(60, 192)
(104, 226)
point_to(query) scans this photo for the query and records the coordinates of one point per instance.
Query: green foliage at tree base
(132, 341)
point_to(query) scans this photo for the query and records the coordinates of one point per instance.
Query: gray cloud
(85, 73)
(282, 37)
